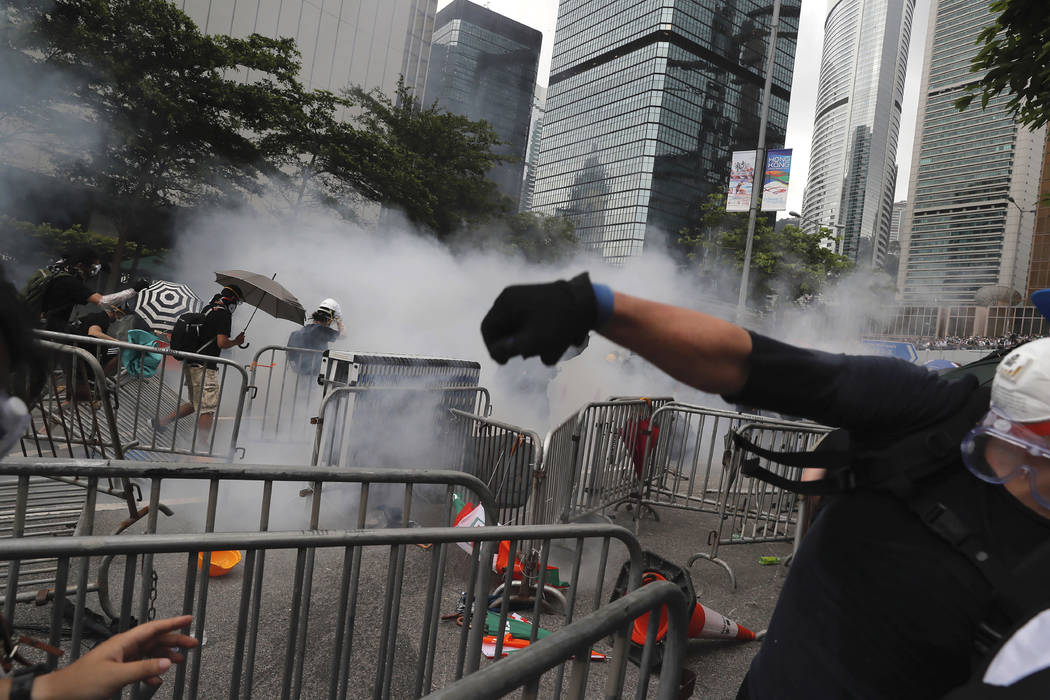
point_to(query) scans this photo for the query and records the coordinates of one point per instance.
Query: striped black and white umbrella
(161, 304)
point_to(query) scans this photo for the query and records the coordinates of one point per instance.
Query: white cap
(1021, 387)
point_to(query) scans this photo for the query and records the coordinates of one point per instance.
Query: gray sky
(543, 15)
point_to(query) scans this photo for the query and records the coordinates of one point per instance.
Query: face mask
(14, 419)
(94, 270)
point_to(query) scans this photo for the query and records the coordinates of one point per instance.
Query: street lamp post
(760, 161)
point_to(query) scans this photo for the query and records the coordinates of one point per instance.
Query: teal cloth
(141, 364)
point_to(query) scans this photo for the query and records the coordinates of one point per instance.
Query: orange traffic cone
(704, 623)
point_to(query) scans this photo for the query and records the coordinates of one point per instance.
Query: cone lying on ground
(704, 622)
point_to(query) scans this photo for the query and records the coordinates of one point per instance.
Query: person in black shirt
(67, 287)
(875, 604)
(92, 325)
(202, 379)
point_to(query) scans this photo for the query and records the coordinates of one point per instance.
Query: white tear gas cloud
(403, 293)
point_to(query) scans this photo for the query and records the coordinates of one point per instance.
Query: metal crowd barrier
(685, 465)
(524, 670)
(215, 497)
(378, 426)
(368, 634)
(753, 511)
(593, 461)
(506, 458)
(287, 392)
(143, 394)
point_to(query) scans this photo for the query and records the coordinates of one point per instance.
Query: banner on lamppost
(775, 182)
(741, 180)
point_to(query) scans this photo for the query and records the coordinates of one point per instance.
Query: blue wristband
(604, 296)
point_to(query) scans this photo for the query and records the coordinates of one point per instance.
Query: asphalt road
(719, 666)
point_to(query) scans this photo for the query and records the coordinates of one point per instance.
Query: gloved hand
(540, 319)
(140, 284)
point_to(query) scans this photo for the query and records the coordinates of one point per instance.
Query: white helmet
(1021, 387)
(331, 307)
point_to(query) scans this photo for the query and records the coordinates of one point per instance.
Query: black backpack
(33, 293)
(189, 332)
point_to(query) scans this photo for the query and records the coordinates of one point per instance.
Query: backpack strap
(895, 467)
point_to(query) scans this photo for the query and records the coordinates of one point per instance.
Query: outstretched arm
(695, 348)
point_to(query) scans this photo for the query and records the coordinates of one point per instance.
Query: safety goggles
(14, 419)
(998, 450)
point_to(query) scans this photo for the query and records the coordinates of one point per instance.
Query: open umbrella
(264, 293)
(161, 304)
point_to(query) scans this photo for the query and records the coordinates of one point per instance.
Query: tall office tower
(852, 168)
(483, 66)
(895, 220)
(1039, 263)
(960, 231)
(528, 185)
(646, 101)
(370, 43)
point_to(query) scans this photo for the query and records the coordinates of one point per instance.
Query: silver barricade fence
(372, 619)
(73, 419)
(375, 426)
(506, 458)
(684, 467)
(524, 670)
(750, 510)
(593, 461)
(287, 391)
(215, 496)
(146, 390)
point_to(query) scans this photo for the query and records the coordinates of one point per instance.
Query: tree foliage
(35, 245)
(174, 124)
(1015, 58)
(789, 262)
(533, 237)
(428, 162)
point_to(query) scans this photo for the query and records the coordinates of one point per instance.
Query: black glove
(140, 284)
(540, 319)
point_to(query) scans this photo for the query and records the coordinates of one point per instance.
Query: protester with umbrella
(210, 337)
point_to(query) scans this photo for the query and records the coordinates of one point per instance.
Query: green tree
(789, 262)
(534, 237)
(176, 124)
(425, 161)
(1015, 58)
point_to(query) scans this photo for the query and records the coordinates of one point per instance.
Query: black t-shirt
(218, 322)
(61, 295)
(875, 604)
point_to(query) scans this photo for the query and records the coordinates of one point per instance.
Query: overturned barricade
(86, 412)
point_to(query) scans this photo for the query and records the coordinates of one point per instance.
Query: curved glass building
(852, 168)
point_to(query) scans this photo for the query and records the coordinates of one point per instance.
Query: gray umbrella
(264, 293)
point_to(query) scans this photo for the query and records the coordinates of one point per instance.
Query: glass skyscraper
(960, 231)
(852, 168)
(483, 66)
(646, 101)
(370, 43)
